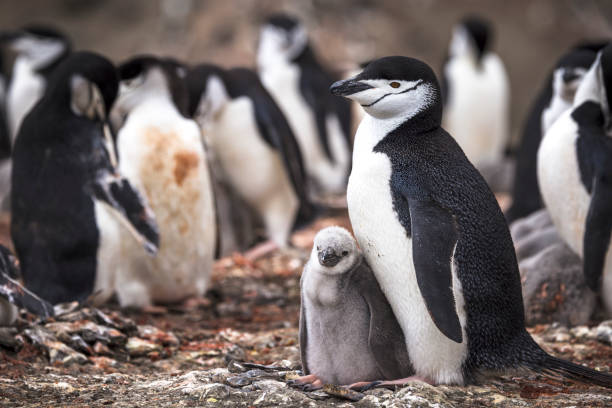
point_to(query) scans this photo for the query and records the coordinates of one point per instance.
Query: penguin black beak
(328, 258)
(569, 76)
(348, 87)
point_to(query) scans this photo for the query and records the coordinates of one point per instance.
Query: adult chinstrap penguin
(13, 295)
(555, 98)
(290, 71)
(161, 152)
(254, 145)
(476, 93)
(434, 235)
(574, 173)
(66, 189)
(348, 332)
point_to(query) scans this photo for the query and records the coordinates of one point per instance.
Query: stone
(554, 289)
(604, 332)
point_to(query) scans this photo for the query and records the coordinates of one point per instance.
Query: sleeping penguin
(161, 153)
(14, 296)
(299, 84)
(574, 172)
(68, 200)
(554, 99)
(476, 93)
(254, 144)
(434, 235)
(348, 333)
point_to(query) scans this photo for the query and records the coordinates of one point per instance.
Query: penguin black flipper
(278, 134)
(126, 203)
(434, 236)
(303, 339)
(386, 339)
(14, 292)
(594, 148)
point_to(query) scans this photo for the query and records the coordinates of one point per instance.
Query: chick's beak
(328, 258)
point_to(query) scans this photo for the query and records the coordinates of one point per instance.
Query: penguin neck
(422, 122)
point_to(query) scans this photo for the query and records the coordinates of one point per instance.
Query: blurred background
(529, 34)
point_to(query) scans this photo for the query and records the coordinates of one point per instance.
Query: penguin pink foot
(307, 382)
(368, 385)
(260, 250)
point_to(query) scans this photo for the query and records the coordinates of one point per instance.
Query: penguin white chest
(388, 250)
(559, 177)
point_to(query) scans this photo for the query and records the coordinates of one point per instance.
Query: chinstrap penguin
(434, 235)
(161, 152)
(476, 93)
(554, 99)
(574, 173)
(66, 191)
(254, 145)
(13, 295)
(348, 332)
(290, 71)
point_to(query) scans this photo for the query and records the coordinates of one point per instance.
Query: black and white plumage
(66, 191)
(13, 295)
(477, 93)
(574, 172)
(254, 145)
(348, 332)
(434, 235)
(299, 84)
(162, 154)
(555, 98)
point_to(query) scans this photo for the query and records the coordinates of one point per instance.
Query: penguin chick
(161, 152)
(13, 295)
(254, 145)
(348, 332)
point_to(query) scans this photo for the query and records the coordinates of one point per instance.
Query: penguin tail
(575, 372)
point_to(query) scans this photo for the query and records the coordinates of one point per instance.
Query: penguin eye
(394, 84)
(344, 253)
(318, 248)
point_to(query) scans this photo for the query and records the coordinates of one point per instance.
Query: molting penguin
(574, 172)
(434, 235)
(291, 73)
(13, 295)
(162, 153)
(554, 99)
(254, 144)
(67, 199)
(476, 93)
(348, 332)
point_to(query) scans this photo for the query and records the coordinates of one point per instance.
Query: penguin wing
(303, 338)
(276, 131)
(16, 294)
(434, 236)
(124, 201)
(596, 239)
(386, 339)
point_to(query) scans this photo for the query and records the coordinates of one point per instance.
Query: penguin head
(335, 250)
(208, 93)
(596, 85)
(42, 46)
(88, 83)
(282, 39)
(471, 37)
(147, 77)
(393, 88)
(569, 72)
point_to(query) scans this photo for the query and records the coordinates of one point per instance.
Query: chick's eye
(394, 84)
(318, 248)
(344, 253)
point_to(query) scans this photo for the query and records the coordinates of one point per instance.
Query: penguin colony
(110, 172)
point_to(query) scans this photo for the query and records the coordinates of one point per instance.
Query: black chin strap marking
(392, 93)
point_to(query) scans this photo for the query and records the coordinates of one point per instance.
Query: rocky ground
(238, 347)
